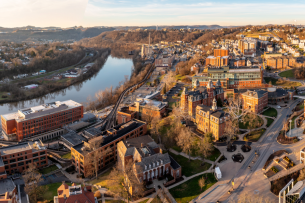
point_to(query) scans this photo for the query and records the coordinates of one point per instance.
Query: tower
(197, 84)
(214, 107)
(184, 100)
(210, 90)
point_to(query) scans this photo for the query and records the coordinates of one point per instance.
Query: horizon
(116, 13)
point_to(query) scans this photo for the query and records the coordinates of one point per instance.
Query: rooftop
(72, 138)
(35, 146)
(7, 185)
(41, 110)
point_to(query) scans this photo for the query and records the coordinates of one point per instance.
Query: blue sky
(67, 13)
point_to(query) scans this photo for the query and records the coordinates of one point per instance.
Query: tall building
(30, 122)
(211, 119)
(220, 58)
(16, 158)
(247, 47)
(231, 77)
(82, 152)
(200, 95)
(281, 62)
(148, 160)
(146, 50)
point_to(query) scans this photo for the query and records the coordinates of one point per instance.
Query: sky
(87, 13)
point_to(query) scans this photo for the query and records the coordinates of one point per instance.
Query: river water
(111, 74)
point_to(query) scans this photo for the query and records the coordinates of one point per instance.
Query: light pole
(290, 127)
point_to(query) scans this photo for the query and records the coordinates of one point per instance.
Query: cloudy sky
(66, 13)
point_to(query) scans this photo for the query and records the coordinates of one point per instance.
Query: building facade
(255, 101)
(232, 77)
(147, 158)
(108, 140)
(200, 95)
(281, 62)
(16, 158)
(211, 120)
(220, 58)
(36, 120)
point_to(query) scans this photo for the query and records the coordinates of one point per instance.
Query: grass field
(190, 167)
(254, 135)
(246, 125)
(48, 169)
(214, 155)
(269, 121)
(287, 74)
(101, 180)
(52, 191)
(270, 112)
(190, 189)
(66, 156)
(285, 84)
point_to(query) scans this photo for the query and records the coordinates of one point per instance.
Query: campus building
(8, 191)
(231, 77)
(281, 62)
(16, 158)
(255, 101)
(247, 47)
(148, 160)
(200, 95)
(30, 122)
(74, 193)
(220, 58)
(81, 153)
(211, 119)
(143, 109)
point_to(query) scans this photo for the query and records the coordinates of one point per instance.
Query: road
(252, 179)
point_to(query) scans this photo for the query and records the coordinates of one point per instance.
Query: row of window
(26, 162)
(21, 158)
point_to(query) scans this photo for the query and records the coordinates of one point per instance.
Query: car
(147, 88)
(279, 107)
(159, 187)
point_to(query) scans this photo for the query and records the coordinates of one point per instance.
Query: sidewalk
(190, 157)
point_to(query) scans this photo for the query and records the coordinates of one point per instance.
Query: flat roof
(19, 148)
(41, 110)
(72, 138)
(7, 185)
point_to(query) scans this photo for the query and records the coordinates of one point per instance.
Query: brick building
(211, 119)
(148, 160)
(108, 140)
(220, 58)
(30, 122)
(255, 101)
(74, 193)
(16, 158)
(200, 95)
(143, 109)
(247, 47)
(232, 77)
(281, 62)
(164, 61)
(8, 191)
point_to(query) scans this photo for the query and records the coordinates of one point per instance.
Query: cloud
(42, 12)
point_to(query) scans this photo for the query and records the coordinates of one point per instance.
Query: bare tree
(201, 182)
(155, 127)
(32, 179)
(123, 180)
(185, 140)
(205, 146)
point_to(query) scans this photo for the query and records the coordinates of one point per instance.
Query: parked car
(278, 107)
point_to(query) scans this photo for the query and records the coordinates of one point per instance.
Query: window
(43, 162)
(13, 165)
(5, 162)
(42, 158)
(21, 164)
(29, 161)
(35, 155)
(42, 153)
(20, 159)
(12, 160)
(35, 160)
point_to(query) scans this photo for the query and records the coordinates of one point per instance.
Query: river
(111, 74)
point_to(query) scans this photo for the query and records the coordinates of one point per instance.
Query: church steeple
(214, 107)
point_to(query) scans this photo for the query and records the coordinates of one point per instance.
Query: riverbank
(49, 86)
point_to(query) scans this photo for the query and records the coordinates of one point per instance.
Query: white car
(278, 107)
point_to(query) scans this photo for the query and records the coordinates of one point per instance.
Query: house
(74, 193)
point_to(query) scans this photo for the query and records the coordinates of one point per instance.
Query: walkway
(283, 172)
(190, 157)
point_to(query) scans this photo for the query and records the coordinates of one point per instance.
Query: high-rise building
(220, 58)
(30, 122)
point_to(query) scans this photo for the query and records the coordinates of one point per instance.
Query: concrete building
(30, 122)
(81, 153)
(148, 160)
(255, 101)
(16, 158)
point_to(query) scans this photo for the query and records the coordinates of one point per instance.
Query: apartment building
(16, 158)
(281, 62)
(200, 95)
(164, 61)
(30, 122)
(247, 47)
(108, 140)
(211, 119)
(255, 101)
(231, 77)
(142, 109)
(220, 58)
(147, 158)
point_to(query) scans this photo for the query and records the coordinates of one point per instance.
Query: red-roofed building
(74, 193)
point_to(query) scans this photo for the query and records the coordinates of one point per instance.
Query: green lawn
(254, 135)
(285, 84)
(214, 155)
(101, 180)
(176, 148)
(269, 121)
(52, 191)
(172, 104)
(271, 112)
(191, 167)
(287, 74)
(245, 125)
(48, 169)
(66, 156)
(190, 189)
